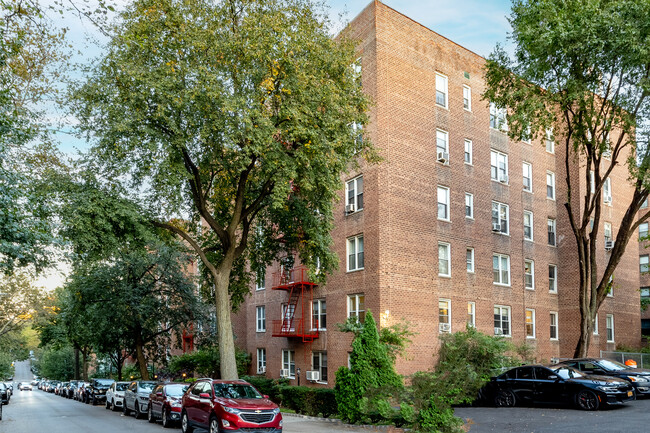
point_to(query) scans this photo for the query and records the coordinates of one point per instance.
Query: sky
(478, 25)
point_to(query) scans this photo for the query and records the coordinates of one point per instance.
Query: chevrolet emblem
(258, 411)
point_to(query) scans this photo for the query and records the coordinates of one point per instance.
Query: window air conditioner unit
(503, 178)
(498, 331)
(607, 200)
(444, 327)
(609, 245)
(496, 227)
(442, 157)
(349, 208)
(284, 372)
(261, 370)
(313, 375)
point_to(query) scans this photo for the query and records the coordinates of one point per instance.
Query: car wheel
(150, 416)
(166, 422)
(137, 410)
(504, 398)
(108, 404)
(214, 425)
(587, 400)
(185, 424)
(94, 402)
(125, 410)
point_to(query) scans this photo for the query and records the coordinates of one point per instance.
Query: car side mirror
(265, 396)
(204, 395)
(554, 377)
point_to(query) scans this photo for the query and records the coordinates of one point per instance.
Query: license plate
(630, 393)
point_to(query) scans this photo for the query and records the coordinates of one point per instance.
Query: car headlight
(175, 404)
(276, 411)
(608, 388)
(231, 410)
(144, 397)
(638, 379)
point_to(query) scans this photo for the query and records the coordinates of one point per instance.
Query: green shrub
(309, 401)
(206, 362)
(266, 386)
(325, 400)
(437, 416)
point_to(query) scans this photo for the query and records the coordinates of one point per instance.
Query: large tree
(582, 68)
(237, 116)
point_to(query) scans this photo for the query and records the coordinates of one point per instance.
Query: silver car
(115, 395)
(136, 397)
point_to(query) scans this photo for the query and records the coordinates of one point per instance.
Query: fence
(642, 359)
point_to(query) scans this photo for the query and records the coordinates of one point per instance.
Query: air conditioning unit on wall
(349, 208)
(444, 327)
(442, 157)
(313, 375)
(284, 372)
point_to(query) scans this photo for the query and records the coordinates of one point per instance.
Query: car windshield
(236, 390)
(104, 382)
(176, 390)
(612, 365)
(147, 385)
(568, 372)
(121, 386)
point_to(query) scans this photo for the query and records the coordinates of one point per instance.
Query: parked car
(555, 385)
(81, 391)
(72, 388)
(10, 388)
(4, 394)
(638, 377)
(63, 389)
(115, 395)
(136, 397)
(219, 405)
(165, 403)
(96, 391)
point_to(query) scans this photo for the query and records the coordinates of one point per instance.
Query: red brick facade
(402, 232)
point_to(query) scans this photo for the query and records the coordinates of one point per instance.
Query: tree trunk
(76, 363)
(224, 320)
(142, 362)
(586, 330)
(85, 365)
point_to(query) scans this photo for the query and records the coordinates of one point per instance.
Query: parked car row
(588, 383)
(215, 405)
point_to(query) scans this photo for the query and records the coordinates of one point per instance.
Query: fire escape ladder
(290, 313)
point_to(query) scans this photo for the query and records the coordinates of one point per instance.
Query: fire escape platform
(296, 282)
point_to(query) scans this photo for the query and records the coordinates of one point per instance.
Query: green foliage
(56, 363)
(309, 401)
(437, 416)
(395, 337)
(6, 369)
(206, 362)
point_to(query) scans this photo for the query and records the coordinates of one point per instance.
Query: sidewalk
(301, 424)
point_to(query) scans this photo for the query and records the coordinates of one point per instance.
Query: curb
(375, 428)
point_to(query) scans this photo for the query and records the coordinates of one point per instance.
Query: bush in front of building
(309, 401)
(270, 387)
(206, 362)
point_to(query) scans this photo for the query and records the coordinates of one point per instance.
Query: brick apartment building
(458, 225)
(644, 270)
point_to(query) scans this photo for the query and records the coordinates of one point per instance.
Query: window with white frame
(444, 315)
(643, 264)
(550, 141)
(498, 166)
(469, 205)
(644, 204)
(261, 318)
(355, 253)
(610, 328)
(261, 361)
(357, 306)
(596, 325)
(592, 182)
(552, 278)
(528, 176)
(289, 362)
(470, 260)
(468, 152)
(443, 203)
(528, 225)
(553, 325)
(441, 90)
(552, 238)
(444, 261)
(357, 135)
(607, 152)
(530, 323)
(319, 315)
(501, 269)
(610, 290)
(467, 98)
(498, 118)
(354, 194)
(529, 274)
(260, 278)
(526, 135)
(500, 217)
(643, 231)
(550, 185)
(501, 320)
(607, 231)
(471, 314)
(607, 191)
(442, 142)
(288, 314)
(319, 363)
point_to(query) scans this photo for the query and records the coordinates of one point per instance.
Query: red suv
(228, 406)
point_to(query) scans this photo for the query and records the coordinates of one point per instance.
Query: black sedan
(638, 377)
(555, 385)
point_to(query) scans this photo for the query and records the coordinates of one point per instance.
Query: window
(550, 185)
(607, 231)
(288, 314)
(550, 141)
(289, 362)
(319, 363)
(501, 269)
(442, 142)
(499, 166)
(643, 264)
(528, 176)
(471, 314)
(553, 325)
(528, 225)
(319, 315)
(354, 194)
(443, 203)
(644, 204)
(357, 134)
(500, 214)
(469, 205)
(470, 260)
(501, 320)
(444, 264)
(551, 231)
(607, 191)
(645, 292)
(467, 98)
(498, 117)
(444, 315)
(596, 325)
(260, 278)
(530, 323)
(643, 231)
(529, 274)
(552, 278)
(261, 361)
(261, 319)
(357, 307)
(592, 182)
(355, 253)
(526, 134)
(441, 90)
(610, 328)
(468, 152)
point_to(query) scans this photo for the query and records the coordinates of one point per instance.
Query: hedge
(309, 401)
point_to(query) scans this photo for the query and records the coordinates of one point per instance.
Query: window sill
(355, 270)
(529, 240)
(259, 290)
(444, 220)
(532, 289)
(550, 198)
(444, 276)
(552, 292)
(469, 110)
(530, 338)
(501, 284)
(529, 191)
(469, 164)
(471, 272)
(260, 331)
(352, 213)
(469, 218)
(442, 106)
(554, 339)
(501, 233)
(321, 382)
(499, 182)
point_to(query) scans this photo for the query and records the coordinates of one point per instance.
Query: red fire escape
(188, 339)
(301, 294)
